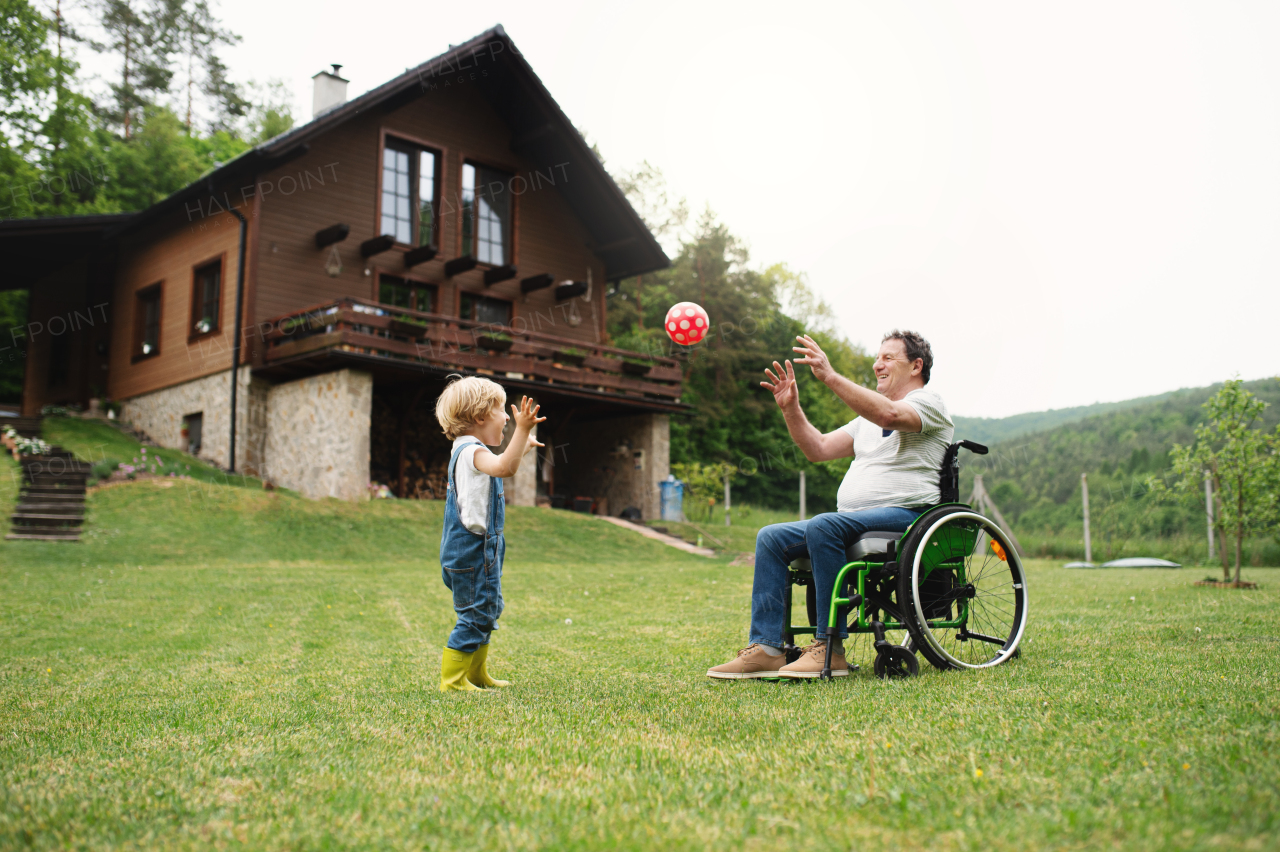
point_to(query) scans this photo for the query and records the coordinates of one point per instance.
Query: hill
(1035, 479)
(987, 430)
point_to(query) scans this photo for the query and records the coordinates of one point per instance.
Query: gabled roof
(540, 131)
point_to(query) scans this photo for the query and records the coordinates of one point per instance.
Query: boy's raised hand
(526, 416)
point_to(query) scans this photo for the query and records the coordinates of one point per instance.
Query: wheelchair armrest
(974, 447)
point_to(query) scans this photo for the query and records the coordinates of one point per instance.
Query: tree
(1240, 460)
(732, 420)
(270, 113)
(13, 344)
(199, 35)
(144, 40)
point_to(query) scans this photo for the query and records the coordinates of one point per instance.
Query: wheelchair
(952, 587)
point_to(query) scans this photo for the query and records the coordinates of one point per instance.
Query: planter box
(631, 368)
(496, 344)
(412, 330)
(571, 358)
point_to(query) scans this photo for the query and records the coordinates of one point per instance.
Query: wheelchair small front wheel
(896, 662)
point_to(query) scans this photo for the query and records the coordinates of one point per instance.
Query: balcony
(397, 343)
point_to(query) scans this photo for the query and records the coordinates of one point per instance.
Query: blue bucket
(672, 500)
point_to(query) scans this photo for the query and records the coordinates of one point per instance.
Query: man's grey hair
(916, 346)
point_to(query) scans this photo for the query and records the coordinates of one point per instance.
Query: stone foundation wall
(160, 413)
(317, 435)
(521, 489)
(621, 459)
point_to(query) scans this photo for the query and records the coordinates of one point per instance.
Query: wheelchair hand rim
(1011, 646)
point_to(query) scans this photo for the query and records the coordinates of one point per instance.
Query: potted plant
(410, 327)
(636, 366)
(572, 355)
(497, 341)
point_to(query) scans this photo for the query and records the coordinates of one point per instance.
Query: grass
(219, 667)
(95, 441)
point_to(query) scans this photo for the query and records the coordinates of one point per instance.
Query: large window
(206, 299)
(406, 293)
(486, 214)
(485, 309)
(409, 184)
(146, 323)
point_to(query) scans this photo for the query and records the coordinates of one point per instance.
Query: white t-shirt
(472, 486)
(898, 469)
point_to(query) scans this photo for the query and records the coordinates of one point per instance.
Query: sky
(1074, 202)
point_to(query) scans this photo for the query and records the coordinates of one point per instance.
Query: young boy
(472, 547)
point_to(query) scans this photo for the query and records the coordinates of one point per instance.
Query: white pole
(1208, 508)
(1084, 491)
(803, 513)
(726, 500)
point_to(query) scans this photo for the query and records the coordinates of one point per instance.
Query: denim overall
(471, 565)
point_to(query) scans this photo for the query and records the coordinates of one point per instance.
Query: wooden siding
(167, 252)
(337, 182)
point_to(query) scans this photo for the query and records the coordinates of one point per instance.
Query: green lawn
(222, 667)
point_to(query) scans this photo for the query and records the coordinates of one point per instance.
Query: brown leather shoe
(811, 661)
(751, 662)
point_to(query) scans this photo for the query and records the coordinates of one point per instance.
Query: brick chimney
(329, 91)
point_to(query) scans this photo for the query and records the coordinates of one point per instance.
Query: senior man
(897, 441)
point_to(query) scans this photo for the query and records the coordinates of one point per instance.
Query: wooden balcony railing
(367, 327)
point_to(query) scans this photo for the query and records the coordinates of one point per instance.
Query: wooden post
(1208, 508)
(1084, 491)
(803, 512)
(984, 503)
(726, 500)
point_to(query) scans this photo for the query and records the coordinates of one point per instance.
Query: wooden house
(317, 291)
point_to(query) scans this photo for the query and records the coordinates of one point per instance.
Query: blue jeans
(471, 566)
(823, 539)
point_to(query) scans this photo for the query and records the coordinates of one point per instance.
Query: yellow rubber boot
(478, 674)
(453, 671)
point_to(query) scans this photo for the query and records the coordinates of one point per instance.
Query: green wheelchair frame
(925, 581)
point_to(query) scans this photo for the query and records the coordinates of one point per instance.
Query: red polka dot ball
(687, 323)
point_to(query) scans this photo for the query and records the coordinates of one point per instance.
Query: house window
(409, 193)
(486, 214)
(486, 310)
(192, 427)
(406, 293)
(146, 323)
(206, 299)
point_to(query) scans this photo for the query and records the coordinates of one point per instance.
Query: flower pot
(574, 358)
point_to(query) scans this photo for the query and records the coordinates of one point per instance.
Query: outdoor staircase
(51, 502)
(27, 427)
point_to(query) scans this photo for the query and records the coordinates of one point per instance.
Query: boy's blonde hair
(465, 402)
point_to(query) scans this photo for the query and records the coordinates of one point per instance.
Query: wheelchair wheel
(859, 648)
(962, 589)
(895, 663)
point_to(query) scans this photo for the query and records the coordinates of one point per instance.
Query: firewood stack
(426, 480)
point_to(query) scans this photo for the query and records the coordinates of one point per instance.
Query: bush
(102, 470)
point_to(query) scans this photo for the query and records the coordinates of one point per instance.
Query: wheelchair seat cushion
(871, 546)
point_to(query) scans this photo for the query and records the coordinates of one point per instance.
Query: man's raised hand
(813, 356)
(527, 415)
(782, 385)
